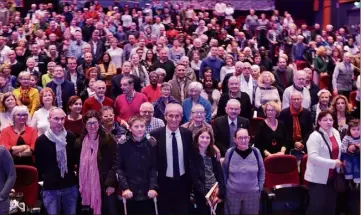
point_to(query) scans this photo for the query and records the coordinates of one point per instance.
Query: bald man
(99, 100)
(55, 161)
(147, 111)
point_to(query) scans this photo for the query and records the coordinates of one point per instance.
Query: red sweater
(9, 138)
(92, 104)
(151, 94)
(124, 110)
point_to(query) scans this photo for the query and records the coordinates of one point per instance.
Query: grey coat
(7, 179)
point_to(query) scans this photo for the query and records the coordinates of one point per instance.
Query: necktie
(176, 172)
(232, 130)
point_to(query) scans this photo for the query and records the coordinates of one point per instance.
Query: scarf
(297, 136)
(247, 87)
(58, 92)
(89, 183)
(60, 145)
(24, 96)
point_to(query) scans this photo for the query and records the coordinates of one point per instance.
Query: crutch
(155, 205)
(125, 206)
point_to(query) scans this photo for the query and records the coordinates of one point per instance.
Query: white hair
(296, 92)
(195, 85)
(256, 68)
(174, 107)
(233, 101)
(19, 109)
(146, 104)
(299, 73)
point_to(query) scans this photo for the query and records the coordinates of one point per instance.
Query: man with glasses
(55, 161)
(152, 123)
(225, 126)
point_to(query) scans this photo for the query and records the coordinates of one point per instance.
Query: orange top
(9, 138)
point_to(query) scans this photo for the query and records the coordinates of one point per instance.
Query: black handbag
(338, 179)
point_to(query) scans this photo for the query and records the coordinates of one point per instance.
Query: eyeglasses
(22, 115)
(147, 112)
(94, 123)
(198, 113)
(109, 116)
(270, 110)
(242, 138)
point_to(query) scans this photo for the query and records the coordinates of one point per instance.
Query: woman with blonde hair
(265, 91)
(28, 95)
(8, 102)
(19, 138)
(228, 68)
(5, 70)
(321, 64)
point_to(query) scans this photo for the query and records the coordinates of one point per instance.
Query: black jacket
(246, 106)
(197, 173)
(136, 167)
(160, 135)
(221, 131)
(306, 124)
(106, 159)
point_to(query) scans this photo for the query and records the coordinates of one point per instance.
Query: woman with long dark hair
(96, 153)
(205, 169)
(107, 67)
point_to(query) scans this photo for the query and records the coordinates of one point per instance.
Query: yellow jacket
(34, 99)
(112, 70)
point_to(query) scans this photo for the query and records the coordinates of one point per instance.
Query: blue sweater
(187, 107)
(215, 64)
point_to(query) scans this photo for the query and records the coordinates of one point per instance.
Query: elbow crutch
(125, 206)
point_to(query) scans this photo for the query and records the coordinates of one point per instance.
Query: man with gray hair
(343, 75)
(152, 123)
(99, 100)
(225, 126)
(298, 51)
(238, 69)
(298, 85)
(298, 122)
(174, 148)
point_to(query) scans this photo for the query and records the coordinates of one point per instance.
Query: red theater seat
(27, 183)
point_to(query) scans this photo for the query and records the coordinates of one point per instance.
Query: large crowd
(160, 101)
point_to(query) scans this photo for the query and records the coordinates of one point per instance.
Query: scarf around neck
(89, 182)
(58, 92)
(297, 135)
(60, 145)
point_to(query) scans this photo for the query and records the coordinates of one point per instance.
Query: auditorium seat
(27, 183)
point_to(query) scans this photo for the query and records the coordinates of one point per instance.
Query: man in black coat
(235, 93)
(116, 90)
(164, 63)
(224, 127)
(174, 147)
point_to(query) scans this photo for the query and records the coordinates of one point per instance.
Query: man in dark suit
(16, 66)
(116, 90)
(67, 88)
(283, 75)
(225, 126)
(97, 46)
(173, 149)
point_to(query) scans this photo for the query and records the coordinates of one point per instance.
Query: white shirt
(230, 121)
(169, 150)
(40, 120)
(117, 56)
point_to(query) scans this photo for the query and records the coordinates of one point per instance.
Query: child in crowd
(351, 151)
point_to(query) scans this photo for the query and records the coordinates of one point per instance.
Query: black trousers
(322, 199)
(140, 207)
(174, 196)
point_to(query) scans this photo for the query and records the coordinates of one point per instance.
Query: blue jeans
(66, 199)
(352, 169)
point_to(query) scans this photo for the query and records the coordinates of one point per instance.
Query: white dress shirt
(169, 151)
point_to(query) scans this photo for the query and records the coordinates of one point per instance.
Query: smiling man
(99, 100)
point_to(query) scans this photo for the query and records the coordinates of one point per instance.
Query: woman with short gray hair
(194, 91)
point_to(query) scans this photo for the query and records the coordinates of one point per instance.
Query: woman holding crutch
(136, 168)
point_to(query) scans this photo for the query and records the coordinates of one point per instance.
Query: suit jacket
(17, 68)
(175, 91)
(279, 82)
(67, 89)
(221, 131)
(99, 52)
(187, 141)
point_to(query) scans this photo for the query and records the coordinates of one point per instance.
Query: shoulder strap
(328, 147)
(229, 158)
(256, 154)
